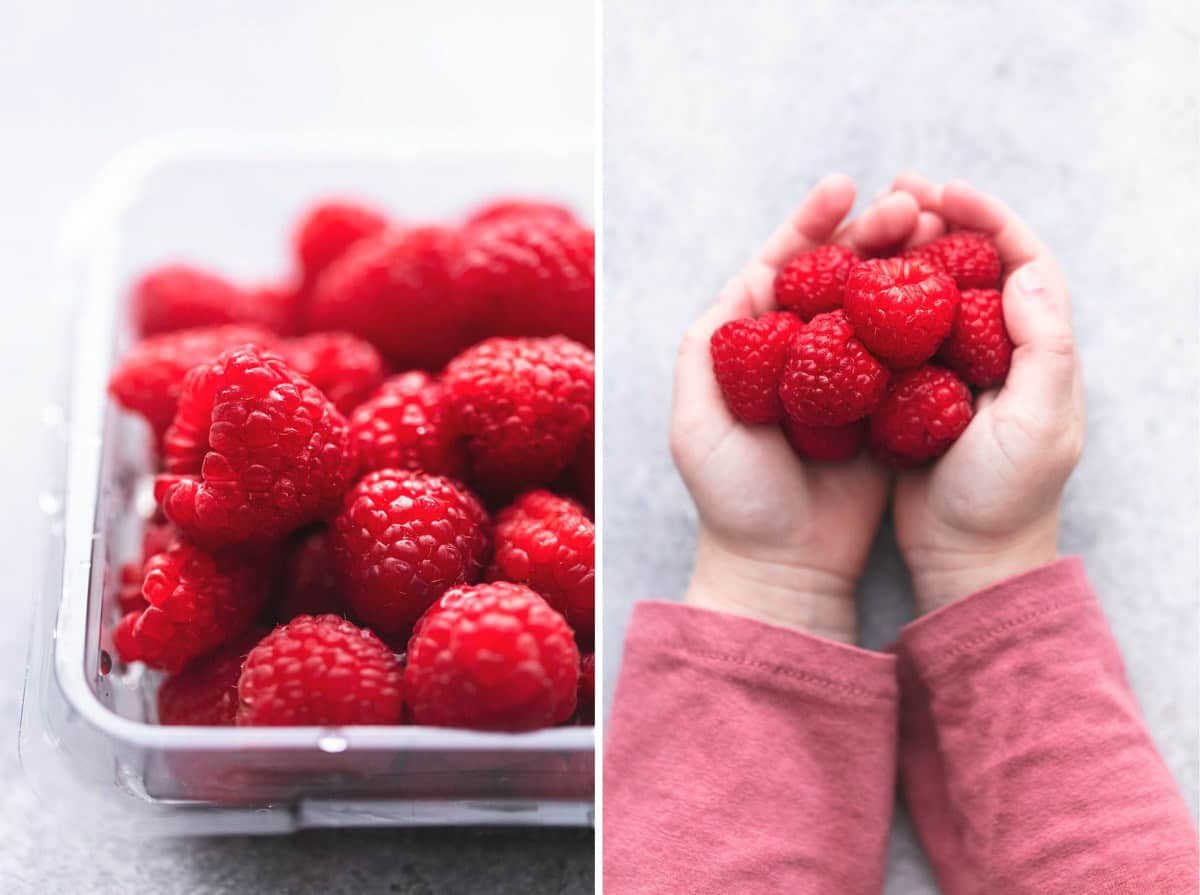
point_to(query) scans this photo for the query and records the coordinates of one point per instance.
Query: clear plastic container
(87, 739)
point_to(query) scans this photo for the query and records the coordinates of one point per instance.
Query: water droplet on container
(105, 662)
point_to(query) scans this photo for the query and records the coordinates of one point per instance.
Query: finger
(696, 389)
(929, 227)
(812, 223)
(884, 224)
(927, 193)
(1044, 375)
(965, 207)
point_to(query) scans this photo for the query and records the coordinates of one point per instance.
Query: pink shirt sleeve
(746, 758)
(1024, 759)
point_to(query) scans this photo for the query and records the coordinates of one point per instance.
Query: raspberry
(404, 426)
(328, 229)
(320, 670)
(587, 689)
(401, 539)
(923, 413)
(197, 601)
(900, 308)
(747, 358)
(969, 257)
(813, 283)
(492, 657)
(826, 443)
(506, 209)
(255, 452)
(979, 348)
(149, 378)
(311, 583)
(344, 367)
(279, 306)
(395, 290)
(205, 692)
(581, 474)
(829, 378)
(548, 543)
(129, 588)
(177, 296)
(530, 276)
(526, 405)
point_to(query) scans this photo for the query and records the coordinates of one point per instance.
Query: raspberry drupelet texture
(747, 358)
(395, 290)
(328, 229)
(320, 670)
(548, 543)
(405, 426)
(178, 296)
(979, 348)
(506, 209)
(149, 379)
(311, 583)
(923, 413)
(829, 378)
(346, 368)
(255, 452)
(968, 257)
(813, 283)
(901, 309)
(525, 406)
(196, 601)
(492, 657)
(401, 540)
(830, 444)
(529, 276)
(205, 692)
(587, 689)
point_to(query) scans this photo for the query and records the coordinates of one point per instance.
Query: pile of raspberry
(373, 480)
(881, 352)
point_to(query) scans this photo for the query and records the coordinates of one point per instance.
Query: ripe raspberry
(344, 367)
(328, 229)
(829, 378)
(747, 360)
(395, 290)
(129, 588)
(505, 209)
(813, 283)
(320, 670)
(492, 657)
(969, 257)
(404, 426)
(587, 689)
(526, 405)
(900, 308)
(311, 583)
(401, 539)
(205, 692)
(581, 474)
(530, 276)
(197, 601)
(830, 444)
(923, 413)
(279, 306)
(979, 348)
(255, 452)
(548, 543)
(149, 378)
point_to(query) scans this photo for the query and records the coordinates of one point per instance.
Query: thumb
(1037, 312)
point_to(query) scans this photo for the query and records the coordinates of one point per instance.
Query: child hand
(989, 508)
(780, 540)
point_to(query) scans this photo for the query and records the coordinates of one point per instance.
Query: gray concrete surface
(1082, 115)
(80, 82)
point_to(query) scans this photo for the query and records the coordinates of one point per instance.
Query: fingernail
(1030, 280)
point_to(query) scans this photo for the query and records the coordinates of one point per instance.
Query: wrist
(772, 589)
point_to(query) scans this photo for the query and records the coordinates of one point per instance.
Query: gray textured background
(81, 81)
(1082, 115)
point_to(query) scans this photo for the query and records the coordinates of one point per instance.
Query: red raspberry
(900, 308)
(969, 257)
(404, 426)
(830, 444)
(506, 209)
(548, 543)
(311, 583)
(581, 474)
(395, 290)
(149, 378)
(923, 413)
(813, 283)
(344, 367)
(320, 670)
(402, 539)
(979, 348)
(587, 689)
(492, 657)
(197, 601)
(829, 378)
(177, 296)
(205, 692)
(530, 276)
(328, 229)
(526, 406)
(279, 306)
(747, 358)
(255, 452)
(129, 588)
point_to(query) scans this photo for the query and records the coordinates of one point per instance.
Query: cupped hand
(780, 539)
(989, 508)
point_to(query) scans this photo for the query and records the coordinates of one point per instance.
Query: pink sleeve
(746, 758)
(1024, 759)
